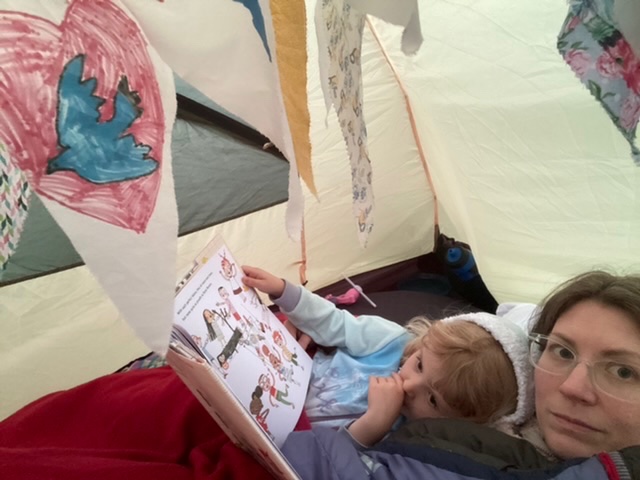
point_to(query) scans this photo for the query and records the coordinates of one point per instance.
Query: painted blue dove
(97, 151)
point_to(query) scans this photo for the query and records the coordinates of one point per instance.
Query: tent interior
(484, 133)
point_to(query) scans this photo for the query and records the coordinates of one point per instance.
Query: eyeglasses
(618, 377)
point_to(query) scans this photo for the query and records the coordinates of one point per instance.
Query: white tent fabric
(527, 168)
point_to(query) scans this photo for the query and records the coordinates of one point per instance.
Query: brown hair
(478, 379)
(616, 291)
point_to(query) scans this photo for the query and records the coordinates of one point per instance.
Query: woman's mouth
(574, 424)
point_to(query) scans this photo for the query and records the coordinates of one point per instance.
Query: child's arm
(321, 320)
(385, 401)
(334, 327)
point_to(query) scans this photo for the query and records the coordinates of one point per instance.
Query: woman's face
(576, 418)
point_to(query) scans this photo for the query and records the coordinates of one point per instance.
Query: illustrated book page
(241, 342)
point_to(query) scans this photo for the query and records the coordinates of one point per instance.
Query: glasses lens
(618, 378)
(536, 347)
(551, 355)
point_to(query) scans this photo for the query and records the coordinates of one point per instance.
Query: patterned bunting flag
(592, 44)
(339, 29)
(14, 200)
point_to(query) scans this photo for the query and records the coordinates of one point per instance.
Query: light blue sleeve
(333, 327)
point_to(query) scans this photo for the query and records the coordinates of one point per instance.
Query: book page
(243, 341)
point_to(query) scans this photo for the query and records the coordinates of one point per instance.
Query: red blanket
(139, 425)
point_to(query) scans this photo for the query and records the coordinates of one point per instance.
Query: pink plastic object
(348, 298)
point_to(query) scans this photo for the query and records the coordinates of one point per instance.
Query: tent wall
(527, 166)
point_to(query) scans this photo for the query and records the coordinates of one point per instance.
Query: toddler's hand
(386, 397)
(263, 281)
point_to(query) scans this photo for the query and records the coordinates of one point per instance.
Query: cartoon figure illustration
(274, 358)
(253, 342)
(216, 365)
(267, 383)
(285, 373)
(229, 349)
(229, 273)
(214, 330)
(197, 340)
(245, 322)
(256, 409)
(224, 295)
(292, 357)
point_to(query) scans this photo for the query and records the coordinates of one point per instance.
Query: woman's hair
(477, 379)
(621, 292)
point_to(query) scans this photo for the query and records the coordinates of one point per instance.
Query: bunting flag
(14, 201)
(399, 12)
(48, 69)
(290, 25)
(592, 44)
(228, 50)
(339, 29)
(87, 112)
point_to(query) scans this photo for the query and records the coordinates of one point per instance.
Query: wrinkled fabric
(331, 455)
(142, 425)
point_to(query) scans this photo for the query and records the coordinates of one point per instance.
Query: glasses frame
(534, 338)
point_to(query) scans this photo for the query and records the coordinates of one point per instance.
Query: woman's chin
(566, 447)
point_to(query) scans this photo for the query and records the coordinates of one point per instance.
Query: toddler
(472, 366)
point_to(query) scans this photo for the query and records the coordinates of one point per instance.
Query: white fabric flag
(226, 49)
(89, 120)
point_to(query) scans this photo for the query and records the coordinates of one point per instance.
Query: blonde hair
(477, 378)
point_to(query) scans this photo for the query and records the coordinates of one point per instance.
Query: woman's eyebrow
(563, 338)
(611, 352)
(622, 354)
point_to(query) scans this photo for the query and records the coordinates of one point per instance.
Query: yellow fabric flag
(290, 27)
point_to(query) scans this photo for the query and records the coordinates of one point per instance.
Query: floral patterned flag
(14, 198)
(594, 47)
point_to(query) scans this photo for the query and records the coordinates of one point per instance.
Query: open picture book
(237, 358)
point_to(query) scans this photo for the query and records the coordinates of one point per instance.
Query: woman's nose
(578, 385)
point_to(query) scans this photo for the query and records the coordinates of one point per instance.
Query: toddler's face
(419, 373)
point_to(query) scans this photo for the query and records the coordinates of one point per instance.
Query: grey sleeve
(290, 297)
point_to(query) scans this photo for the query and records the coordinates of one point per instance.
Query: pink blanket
(138, 425)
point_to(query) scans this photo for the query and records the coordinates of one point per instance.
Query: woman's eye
(560, 351)
(419, 364)
(623, 372)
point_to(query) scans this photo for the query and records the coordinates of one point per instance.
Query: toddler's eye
(419, 364)
(432, 401)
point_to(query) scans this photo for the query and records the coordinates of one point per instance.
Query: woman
(586, 350)
(585, 346)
